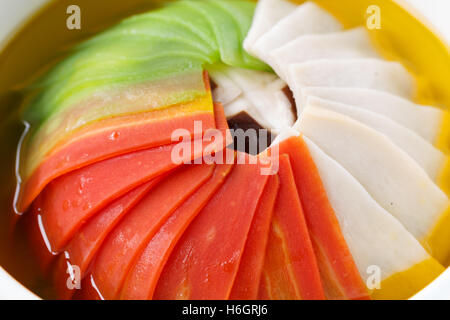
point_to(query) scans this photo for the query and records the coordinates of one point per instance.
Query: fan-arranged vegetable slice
(424, 120)
(340, 276)
(205, 261)
(242, 14)
(377, 74)
(128, 239)
(395, 257)
(305, 19)
(106, 138)
(100, 225)
(267, 14)
(184, 13)
(349, 44)
(143, 277)
(261, 95)
(428, 157)
(290, 269)
(246, 284)
(73, 198)
(143, 76)
(225, 90)
(84, 245)
(431, 123)
(391, 177)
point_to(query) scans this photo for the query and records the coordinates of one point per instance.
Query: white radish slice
(248, 79)
(364, 223)
(260, 95)
(428, 157)
(390, 176)
(350, 44)
(267, 14)
(274, 106)
(307, 18)
(265, 92)
(376, 74)
(227, 90)
(269, 116)
(424, 120)
(242, 104)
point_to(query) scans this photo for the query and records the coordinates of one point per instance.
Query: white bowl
(13, 14)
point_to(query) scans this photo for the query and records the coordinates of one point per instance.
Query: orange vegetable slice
(111, 137)
(143, 277)
(84, 245)
(290, 269)
(205, 261)
(246, 284)
(128, 239)
(74, 198)
(339, 273)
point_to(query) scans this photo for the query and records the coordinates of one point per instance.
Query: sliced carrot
(338, 270)
(290, 269)
(124, 244)
(143, 277)
(86, 242)
(105, 139)
(127, 162)
(205, 261)
(246, 284)
(72, 199)
(111, 137)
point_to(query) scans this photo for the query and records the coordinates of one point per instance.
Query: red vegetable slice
(290, 269)
(107, 143)
(205, 261)
(246, 284)
(144, 275)
(69, 201)
(339, 273)
(115, 136)
(86, 242)
(73, 198)
(128, 239)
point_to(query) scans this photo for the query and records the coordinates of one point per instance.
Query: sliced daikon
(270, 116)
(307, 18)
(424, 120)
(394, 252)
(350, 44)
(267, 14)
(377, 74)
(241, 104)
(274, 106)
(428, 157)
(390, 176)
(249, 80)
(226, 90)
(259, 94)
